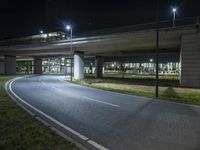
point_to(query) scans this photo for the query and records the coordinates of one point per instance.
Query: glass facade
(24, 67)
(169, 68)
(56, 65)
(63, 66)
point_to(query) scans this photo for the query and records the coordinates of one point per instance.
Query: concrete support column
(2, 67)
(99, 66)
(78, 65)
(10, 65)
(37, 66)
(190, 60)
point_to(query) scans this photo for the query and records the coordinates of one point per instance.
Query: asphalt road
(110, 120)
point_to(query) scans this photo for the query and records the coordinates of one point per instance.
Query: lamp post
(41, 35)
(174, 17)
(70, 28)
(157, 51)
(47, 18)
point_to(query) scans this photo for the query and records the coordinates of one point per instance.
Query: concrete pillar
(99, 66)
(190, 60)
(10, 65)
(2, 67)
(37, 66)
(78, 65)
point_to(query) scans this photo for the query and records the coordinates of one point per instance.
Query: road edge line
(8, 85)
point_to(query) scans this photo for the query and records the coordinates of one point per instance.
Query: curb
(68, 138)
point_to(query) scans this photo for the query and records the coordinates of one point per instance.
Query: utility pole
(157, 50)
(71, 53)
(47, 18)
(68, 27)
(174, 17)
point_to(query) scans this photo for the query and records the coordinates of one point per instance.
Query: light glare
(174, 9)
(68, 27)
(45, 35)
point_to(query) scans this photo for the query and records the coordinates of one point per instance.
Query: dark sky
(26, 17)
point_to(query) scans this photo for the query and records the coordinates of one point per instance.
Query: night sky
(27, 17)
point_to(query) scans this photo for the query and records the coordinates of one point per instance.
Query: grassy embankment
(19, 130)
(144, 86)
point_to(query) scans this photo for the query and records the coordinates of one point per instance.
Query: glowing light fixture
(174, 9)
(68, 27)
(174, 16)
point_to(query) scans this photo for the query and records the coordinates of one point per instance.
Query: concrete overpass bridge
(129, 41)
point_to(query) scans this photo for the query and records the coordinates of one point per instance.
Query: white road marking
(41, 81)
(47, 116)
(91, 99)
(98, 146)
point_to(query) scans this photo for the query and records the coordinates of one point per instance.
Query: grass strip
(175, 94)
(21, 131)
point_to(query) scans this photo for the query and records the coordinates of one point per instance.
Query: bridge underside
(184, 43)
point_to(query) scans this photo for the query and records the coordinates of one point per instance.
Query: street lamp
(157, 47)
(41, 31)
(174, 16)
(68, 27)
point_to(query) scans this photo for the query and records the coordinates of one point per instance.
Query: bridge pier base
(9, 65)
(78, 65)
(37, 66)
(190, 60)
(2, 66)
(99, 66)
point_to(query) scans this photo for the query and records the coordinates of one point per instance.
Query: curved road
(107, 120)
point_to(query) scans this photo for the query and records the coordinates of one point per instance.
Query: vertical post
(78, 65)
(157, 49)
(65, 67)
(99, 66)
(47, 18)
(190, 60)
(37, 66)
(197, 24)
(2, 66)
(174, 18)
(10, 65)
(71, 53)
